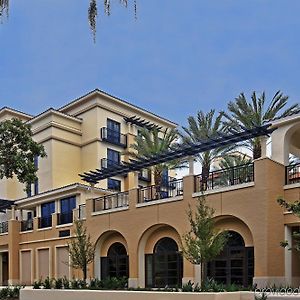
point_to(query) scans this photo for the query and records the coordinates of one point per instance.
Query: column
(191, 165)
(288, 255)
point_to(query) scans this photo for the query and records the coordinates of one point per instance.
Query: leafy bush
(113, 283)
(37, 284)
(10, 292)
(188, 287)
(66, 283)
(58, 283)
(48, 283)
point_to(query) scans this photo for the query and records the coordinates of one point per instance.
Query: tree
(248, 114)
(81, 249)
(293, 207)
(92, 11)
(154, 142)
(200, 128)
(202, 243)
(18, 151)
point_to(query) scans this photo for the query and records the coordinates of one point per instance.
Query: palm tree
(204, 126)
(235, 168)
(154, 142)
(247, 114)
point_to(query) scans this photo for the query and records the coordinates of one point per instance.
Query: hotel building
(138, 234)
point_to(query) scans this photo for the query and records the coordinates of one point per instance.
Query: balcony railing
(110, 202)
(292, 174)
(27, 225)
(3, 227)
(107, 163)
(158, 192)
(45, 222)
(145, 175)
(225, 177)
(65, 218)
(113, 137)
(82, 212)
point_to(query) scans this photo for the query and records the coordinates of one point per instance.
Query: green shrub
(10, 293)
(48, 283)
(37, 284)
(66, 283)
(58, 283)
(188, 287)
(114, 283)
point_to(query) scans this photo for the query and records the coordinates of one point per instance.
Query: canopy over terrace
(180, 152)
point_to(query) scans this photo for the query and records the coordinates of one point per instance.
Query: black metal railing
(65, 218)
(107, 163)
(3, 227)
(145, 175)
(114, 137)
(27, 225)
(111, 201)
(292, 174)
(45, 222)
(225, 177)
(82, 212)
(158, 192)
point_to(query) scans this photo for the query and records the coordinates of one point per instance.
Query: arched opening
(115, 264)
(165, 266)
(235, 264)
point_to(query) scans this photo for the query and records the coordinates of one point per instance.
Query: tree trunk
(204, 177)
(84, 271)
(202, 274)
(157, 182)
(256, 150)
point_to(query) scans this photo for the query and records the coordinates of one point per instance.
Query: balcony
(3, 227)
(171, 189)
(110, 202)
(26, 225)
(107, 163)
(45, 222)
(113, 137)
(225, 177)
(145, 175)
(65, 218)
(292, 174)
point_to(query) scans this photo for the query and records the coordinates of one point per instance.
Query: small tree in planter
(295, 209)
(81, 249)
(202, 243)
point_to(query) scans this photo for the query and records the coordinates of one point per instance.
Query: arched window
(115, 264)
(164, 266)
(116, 249)
(235, 264)
(165, 245)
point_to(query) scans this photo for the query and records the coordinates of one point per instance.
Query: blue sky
(176, 58)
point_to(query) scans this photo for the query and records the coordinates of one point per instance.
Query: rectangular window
(114, 184)
(28, 190)
(66, 210)
(113, 131)
(113, 157)
(47, 209)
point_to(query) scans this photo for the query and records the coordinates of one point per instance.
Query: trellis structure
(180, 152)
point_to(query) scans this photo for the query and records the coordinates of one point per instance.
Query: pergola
(179, 152)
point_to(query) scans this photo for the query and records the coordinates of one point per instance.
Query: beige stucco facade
(71, 136)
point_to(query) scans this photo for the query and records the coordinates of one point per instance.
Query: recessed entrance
(115, 264)
(235, 264)
(164, 267)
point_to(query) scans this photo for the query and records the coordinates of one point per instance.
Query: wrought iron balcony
(225, 177)
(45, 222)
(145, 175)
(3, 227)
(113, 137)
(111, 201)
(158, 192)
(27, 225)
(65, 218)
(292, 174)
(108, 163)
